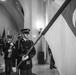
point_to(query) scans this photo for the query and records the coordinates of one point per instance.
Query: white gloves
(24, 58)
(9, 50)
(11, 44)
(14, 69)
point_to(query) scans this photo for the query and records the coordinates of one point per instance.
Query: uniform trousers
(26, 72)
(8, 66)
(52, 62)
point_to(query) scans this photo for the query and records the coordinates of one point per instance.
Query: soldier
(52, 62)
(22, 47)
(8, 46)
(1, 42)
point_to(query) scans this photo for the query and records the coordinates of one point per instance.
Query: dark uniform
(22, 47)
(7, 49)
(52, 62)
(1, 42)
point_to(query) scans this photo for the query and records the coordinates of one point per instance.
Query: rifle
(11, 48)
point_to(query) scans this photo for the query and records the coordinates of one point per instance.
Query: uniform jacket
(6, 47)
(22, 47)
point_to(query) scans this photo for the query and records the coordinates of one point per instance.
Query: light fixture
(39, 24)
(34, 36)
(40, 30)
(2, 0)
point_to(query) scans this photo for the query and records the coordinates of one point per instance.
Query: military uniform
(1, 42)
(52, 62)
(8, 55)
(22, 47)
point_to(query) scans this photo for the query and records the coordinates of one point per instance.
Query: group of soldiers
(18, 56)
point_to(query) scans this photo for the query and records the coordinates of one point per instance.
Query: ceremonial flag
(8, 32)
(3, 34)
(61, 38)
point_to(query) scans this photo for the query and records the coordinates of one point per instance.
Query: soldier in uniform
(8, 46)
(22, 47)
(1, 42)
(52, 62)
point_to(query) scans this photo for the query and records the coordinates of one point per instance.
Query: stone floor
(44, 70)
(37, 69)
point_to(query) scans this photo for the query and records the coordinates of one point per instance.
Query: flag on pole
(3, 34)
(8, 32)
(0, 35)
(49, 25)
(62, 36)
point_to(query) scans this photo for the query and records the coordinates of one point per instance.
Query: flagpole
(49, 25)
(56, 16)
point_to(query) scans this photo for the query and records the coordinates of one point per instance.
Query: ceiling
(15, 14)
